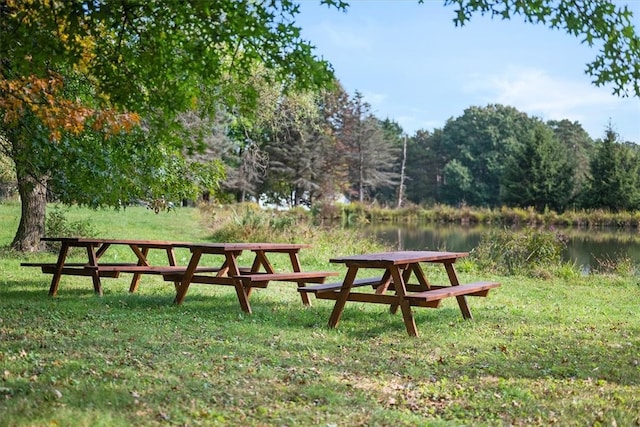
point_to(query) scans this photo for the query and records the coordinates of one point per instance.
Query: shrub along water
(358, 213)
(526, 251)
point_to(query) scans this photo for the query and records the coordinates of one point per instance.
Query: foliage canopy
(157, 55)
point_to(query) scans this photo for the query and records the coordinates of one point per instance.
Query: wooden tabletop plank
(86, 241)
(205, 246)
(384, 259)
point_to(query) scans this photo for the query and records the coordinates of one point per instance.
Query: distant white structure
(337, 198)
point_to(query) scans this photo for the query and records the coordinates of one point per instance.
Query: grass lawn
(538, 352)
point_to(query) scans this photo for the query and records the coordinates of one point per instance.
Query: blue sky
(414, 66)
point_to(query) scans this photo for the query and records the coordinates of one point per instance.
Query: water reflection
(584, 246)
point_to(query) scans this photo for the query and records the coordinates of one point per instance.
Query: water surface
(584, 246)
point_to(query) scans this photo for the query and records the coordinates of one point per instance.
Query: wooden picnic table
(395, 288)
(229, 273)
(95, 248)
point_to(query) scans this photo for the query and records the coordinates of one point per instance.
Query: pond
(584, 246)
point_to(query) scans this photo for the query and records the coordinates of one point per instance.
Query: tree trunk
(33, 197)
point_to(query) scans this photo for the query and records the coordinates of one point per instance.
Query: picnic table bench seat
(436, 294)
(147, 269)
(67, 264)
(78, 268)
(431, 298)
(300, 277)
(178, 275)
(335, 286)
(111, 270)
(72, 264)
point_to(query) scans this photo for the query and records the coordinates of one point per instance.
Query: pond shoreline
(584, 247)
(355, 213)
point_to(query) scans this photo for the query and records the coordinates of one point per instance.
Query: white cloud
(536, 92)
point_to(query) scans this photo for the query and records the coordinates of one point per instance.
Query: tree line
(325, 146)
(497, 156)
(489, 156)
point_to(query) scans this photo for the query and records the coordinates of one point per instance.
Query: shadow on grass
(497, 343)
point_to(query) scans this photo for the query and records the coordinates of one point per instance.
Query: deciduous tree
(481, 140)
(141, 60)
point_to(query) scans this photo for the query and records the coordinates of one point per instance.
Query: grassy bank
(539, 352)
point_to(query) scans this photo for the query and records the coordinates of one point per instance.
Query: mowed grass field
(538, 352)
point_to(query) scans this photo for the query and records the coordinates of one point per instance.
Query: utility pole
(404, 161)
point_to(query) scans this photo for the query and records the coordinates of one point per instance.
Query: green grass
(538, 352)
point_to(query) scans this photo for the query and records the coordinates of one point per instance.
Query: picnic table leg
(232, 269)
(462, 300)
(224, 270)
(243, 296)
(242, 292)
(101, 250)
(171, 256)
(181, 292)
(384, 283)
(95, 274)
(422, 279)
(343, 297)
(55, 280)
(142, 260)
(405, 306)
(261, 260)
(406, 274)
(295, 263)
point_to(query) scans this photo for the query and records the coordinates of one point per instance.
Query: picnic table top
(99, 241)
(398, 257)
(257, 246)
(233, 246)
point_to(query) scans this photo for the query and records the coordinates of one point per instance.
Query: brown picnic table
(225, 271)
(95, 248)
(396, 286)
(244, 279)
